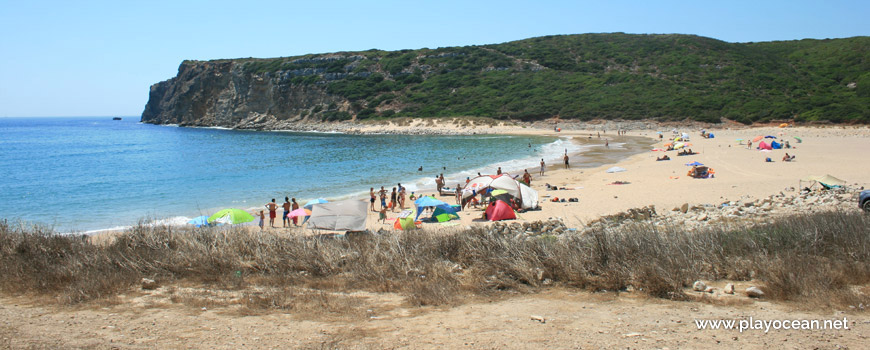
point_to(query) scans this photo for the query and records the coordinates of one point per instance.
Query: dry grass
(813, 258)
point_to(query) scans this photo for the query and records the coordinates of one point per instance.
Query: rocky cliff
(582, 77)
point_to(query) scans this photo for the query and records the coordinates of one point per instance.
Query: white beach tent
(527, 196)
(347, 215)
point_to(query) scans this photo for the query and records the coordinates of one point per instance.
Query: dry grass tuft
(814, 258)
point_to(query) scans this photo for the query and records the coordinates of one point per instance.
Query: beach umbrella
(312, 202)
(740, 141)
(695, 163)
(199, 221)
(299, 212)
(231, 216)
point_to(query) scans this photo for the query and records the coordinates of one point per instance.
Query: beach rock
(754, 292)
(709, 289)
(699, 286)
(684, 208)
(702, 217)
(149, 284)
(729, 288)
(538, 318)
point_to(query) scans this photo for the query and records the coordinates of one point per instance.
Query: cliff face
(220, 93)
(581, 77)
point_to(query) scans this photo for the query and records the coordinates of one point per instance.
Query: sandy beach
(741, 173)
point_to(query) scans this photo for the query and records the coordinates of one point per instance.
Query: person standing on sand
(542, 166)
(527, 178)
(284, 219)
(383, 194)
(272, 206)
(372, 199)
(438, 183)
(566, 161)
(401, 197)
(294, 206)
(606, 143)
(262, 220)
(498, 172)
(459, 194)
(393, 200)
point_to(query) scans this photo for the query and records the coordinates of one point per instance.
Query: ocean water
(85, 174)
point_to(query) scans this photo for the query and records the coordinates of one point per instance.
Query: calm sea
(83, 174)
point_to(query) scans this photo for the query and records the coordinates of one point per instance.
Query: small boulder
(709, 289)
(699, 286)
(754, 292)
(149, 284)
(729, 288)
(684, 208)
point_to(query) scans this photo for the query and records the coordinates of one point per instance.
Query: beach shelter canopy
(525, 194)
(498, 192)
(426, 201)
(346, 215)
(615, 169)
(764, 145)
(231, 216)
(444, 213)
(694, 164)
(499, 210)
(312, 202)
(827, 180)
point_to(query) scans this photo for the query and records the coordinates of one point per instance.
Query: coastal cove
(87, 174)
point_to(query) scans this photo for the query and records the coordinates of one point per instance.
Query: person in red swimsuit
(272, 208)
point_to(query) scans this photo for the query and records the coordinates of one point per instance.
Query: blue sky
(99, 58)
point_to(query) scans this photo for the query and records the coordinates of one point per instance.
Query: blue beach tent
(440, 207)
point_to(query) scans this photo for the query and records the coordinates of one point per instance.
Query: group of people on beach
(289, 205)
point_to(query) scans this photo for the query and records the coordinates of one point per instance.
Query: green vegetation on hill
(664, 77)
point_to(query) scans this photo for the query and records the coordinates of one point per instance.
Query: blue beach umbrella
(694, 164)
(427, 201)
(312, 202)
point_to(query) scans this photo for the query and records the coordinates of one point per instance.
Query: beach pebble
(729, 288)
(538, 318)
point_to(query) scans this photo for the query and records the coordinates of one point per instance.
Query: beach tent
(444, 213)
(615, 169)
(405, 220)
(775, 145)
(764, 145)
(499, 210)
(346, 215)
(827, 181)
(527, 196)
(427, 201)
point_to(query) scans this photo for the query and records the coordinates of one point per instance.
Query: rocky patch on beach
(693, 217)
